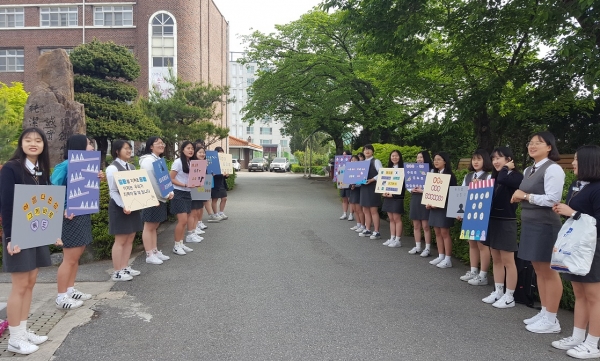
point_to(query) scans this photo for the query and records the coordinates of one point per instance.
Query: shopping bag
(575, 246)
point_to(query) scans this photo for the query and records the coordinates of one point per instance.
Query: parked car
(280, 164)
(258, 164)
(236, 165)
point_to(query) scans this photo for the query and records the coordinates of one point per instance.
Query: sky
(261, 15)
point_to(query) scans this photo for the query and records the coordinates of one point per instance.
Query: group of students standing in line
(30, 164)
(538, 189)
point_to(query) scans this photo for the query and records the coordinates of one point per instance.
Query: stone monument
(51, 106)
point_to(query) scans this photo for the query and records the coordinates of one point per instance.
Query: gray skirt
(537, 241)
(77, 232)
(345, 192)
(156, 214)
(181, 202)
(393, 205)
(437, 218)
(354, 197)
(218, 193)
(418, 212)
(197, 204)
(594, 275)
(26, 260)
(368, 197)
(502, 234)
(121, 223)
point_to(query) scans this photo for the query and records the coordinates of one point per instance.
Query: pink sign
(197, 173)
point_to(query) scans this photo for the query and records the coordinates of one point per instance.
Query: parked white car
(280, 164)
(236, 165)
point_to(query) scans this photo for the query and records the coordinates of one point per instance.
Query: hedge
(382, 152)
(316, 170)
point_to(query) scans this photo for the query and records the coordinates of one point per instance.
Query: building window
(267, 131)
(163, 26)
(249, 130)
(249, 81)
(162, 61)
(283, 142)
(59, 16)
(250, 69)
(12, 60)
(45, 50)
(265, 141)
(113, 16)
(163, 51)
(12, 18)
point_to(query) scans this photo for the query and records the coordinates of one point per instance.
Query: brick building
(189, 36)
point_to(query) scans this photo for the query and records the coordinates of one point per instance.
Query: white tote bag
(575, 246)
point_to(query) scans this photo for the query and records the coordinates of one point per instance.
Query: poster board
(477, 212)
(340, 177)
(212, 157)
(414, 175)
(356, 172)
(38, 215)
(226, 163)
(163, 178)
(339, 161)
(435, 191)
(83, 184)
(457, 199)
(135, 189)
(390, 180)
(197, 173)
(203, 192)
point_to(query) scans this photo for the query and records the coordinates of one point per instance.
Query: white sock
(592, 341)
(60, 296)
(543, 311)
(447, 258)
(148, 254)
(398, 238)
(579, 333)
(441, 256)
(418, 245)
(510, 294)
(428, 246)
(357, 224)
(474, 270)
(500, 288)
(482, 274)
(551, 316)
(23, 325)
(70, 290)
(343, 214)
(15, 332)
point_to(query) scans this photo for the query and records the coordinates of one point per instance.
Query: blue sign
(163, 178)
(83, 184)
(415, 174)
(477, 210)
(212, 157)
(356, 172)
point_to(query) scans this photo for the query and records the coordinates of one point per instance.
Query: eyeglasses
(159, 144)
(534, 144)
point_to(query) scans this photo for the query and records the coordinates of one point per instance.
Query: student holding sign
(195, 218)
(369, 200)
(437, 215)
(419, 214)
(354, 201)
(122, 223)
(153, 216)
(181, 204)
(219, 192)
(393, 204)
(30, 164)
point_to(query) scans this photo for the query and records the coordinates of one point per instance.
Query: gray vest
(469, 177)
(120, 168)
(534, 184)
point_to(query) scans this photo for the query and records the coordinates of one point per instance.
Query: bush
(382, 152)
(316, 170)
(231, 180)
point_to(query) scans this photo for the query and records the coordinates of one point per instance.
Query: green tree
(104, 76)
(12, 106)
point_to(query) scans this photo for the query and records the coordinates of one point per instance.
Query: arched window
(162, 46)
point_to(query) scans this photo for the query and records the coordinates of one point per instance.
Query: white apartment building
(264, 132)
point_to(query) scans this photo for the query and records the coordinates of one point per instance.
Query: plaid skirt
(77, 232)
(181, 202)
(197, 204)
(156, 214)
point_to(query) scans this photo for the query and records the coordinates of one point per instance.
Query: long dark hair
(76, 142)
(550, 140)
(43, 162)
(185, 167)
(487, 160)
(588, 163)
(149, 143)
(198, 147)
(502, 152)
(361, 155)
(400, 162)
(426, 158)
(446, 157)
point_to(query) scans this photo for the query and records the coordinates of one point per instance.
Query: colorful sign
(356, 172)
(477, 211)
(435, 191)
(203, 193)
(38, 214)
(457, 198)
(197, 173)
(83, 184)
(212, 157)
(135, 189)
(340, 177)
(415, 174)
(226, 163)
(339, 161)
(390, 180)
(163, 178)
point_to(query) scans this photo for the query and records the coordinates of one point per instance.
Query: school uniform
(118, 221)
(539, 224)
(13, 173)
(437, 216)
(502, 228)
(586, 200)
(394, 204)
(182, 199)
(220, 188)
(76, 232)
(368, 197)
(156, 214)
(470, 177)
(354, 197)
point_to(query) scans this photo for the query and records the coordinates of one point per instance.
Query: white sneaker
(566, 343)
(395, 244)
(534, 319)
(177, 249)
(36, 339)
(185, 248)
(78, 295)
(351, 217)
(493, 297)
(203, 226)
(344, 216)
(121, 276)
(505, 301)
(478, 281)
(213, 218)
(130, 271)
(193, 238)
(584, 351)
(415, 250)
(67, 303)
(153, 259)
(223, 216)
(21, 346)
(375, 235)
(426, 252)
(544, 326)
(161, 256)
(437, 260)
(354, 228)
(469, 276)
(446, 263)
(387, 242)
(360, 229)
(199, 230)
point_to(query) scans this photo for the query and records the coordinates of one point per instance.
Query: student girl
(154, 216)
(195, 219)
(354, 201)
(122, 223)
(201, 225)
(345, 195)
(502, 228)
(394, 205)
(584, 198)
(219, 191)
(30, 164)
(539, 191)
(369, 200)
(437, 216)
(479, 169)
(419, 214)
(181, 204)
(357, 208)
(76, 233)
